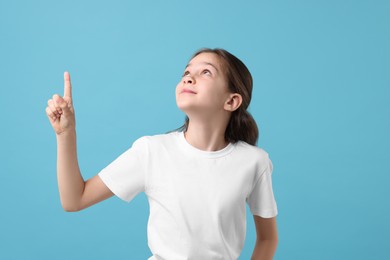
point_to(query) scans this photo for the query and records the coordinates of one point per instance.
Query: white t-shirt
(197, 199)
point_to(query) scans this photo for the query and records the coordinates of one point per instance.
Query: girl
(197, 179)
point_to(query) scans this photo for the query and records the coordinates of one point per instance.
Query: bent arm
(75, 193)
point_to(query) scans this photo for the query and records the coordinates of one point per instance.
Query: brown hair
(242, 126)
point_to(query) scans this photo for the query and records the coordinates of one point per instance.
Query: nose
(188, 80)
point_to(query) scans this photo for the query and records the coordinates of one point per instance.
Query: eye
(206, 72)
(186, 73)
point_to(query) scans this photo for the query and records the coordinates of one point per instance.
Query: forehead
(206, 58)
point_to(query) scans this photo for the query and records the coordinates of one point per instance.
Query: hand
(60, 109)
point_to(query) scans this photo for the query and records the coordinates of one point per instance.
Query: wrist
(66, 134)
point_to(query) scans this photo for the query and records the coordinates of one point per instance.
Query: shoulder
(252, 151)
(157, 140)
(254, 155)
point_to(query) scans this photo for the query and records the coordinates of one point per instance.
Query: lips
(188, 91)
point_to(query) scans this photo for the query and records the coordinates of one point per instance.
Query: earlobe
(233, 103)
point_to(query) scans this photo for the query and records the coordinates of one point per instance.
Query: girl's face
(203, 87)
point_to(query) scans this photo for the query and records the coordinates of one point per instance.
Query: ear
(233, 102)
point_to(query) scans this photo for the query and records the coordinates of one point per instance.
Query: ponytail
(242, 127)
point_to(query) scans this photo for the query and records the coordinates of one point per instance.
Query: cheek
(177, 89)
(218, 96)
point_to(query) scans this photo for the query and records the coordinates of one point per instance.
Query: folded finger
(55, 101)
(53, 107)
(64, 106)
(50, 114)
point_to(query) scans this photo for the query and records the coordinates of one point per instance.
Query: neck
(206, 136)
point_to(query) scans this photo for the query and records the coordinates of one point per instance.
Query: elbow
(275, 243)
(70, 208)
(272, 242)
(275, 239)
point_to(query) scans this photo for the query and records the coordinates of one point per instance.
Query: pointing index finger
(67, 85)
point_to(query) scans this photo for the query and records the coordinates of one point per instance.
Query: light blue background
(321, 99)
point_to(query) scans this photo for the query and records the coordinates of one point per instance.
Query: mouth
(188, 91)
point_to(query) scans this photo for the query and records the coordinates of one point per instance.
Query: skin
(75, 193)
(202, 94)
(267, 238)
(210, 105)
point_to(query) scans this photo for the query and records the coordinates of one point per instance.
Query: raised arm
(75, 193)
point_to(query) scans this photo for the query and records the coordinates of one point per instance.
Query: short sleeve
(125, 176)
(261, 199)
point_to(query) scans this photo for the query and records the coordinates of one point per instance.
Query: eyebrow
(206, 63)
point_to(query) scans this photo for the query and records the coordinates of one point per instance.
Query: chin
(182, 103)
(185, 106)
